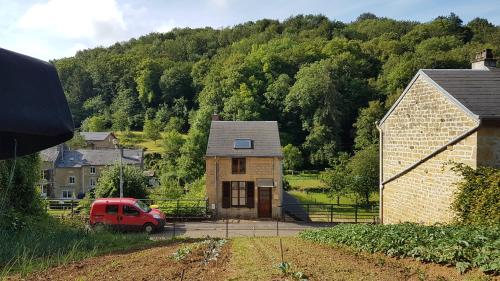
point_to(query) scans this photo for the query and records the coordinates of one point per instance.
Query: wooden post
(356, 214)
(173, 234)
(331, 213)
(227, 227)
(277, 228)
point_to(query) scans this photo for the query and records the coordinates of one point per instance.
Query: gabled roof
(95, 136)
(477, 92)
(101, 157)
(264, 134)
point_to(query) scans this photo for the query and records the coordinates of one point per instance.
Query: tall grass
(49, 242)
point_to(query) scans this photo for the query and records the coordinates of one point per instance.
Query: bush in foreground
(462, 246)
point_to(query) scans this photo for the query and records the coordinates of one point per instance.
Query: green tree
(152, 129)
(292, 157)
(338, 179)
(78, 141)
(364, 170)
(134, 182)
(94, 124)
(241, 106)
(172, 144)
(366, 130)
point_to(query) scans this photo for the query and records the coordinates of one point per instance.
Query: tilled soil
(150, 264)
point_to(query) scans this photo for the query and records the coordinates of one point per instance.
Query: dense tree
(95, 123)
(134, 182)
(152, 129)
(292, 157)
(78, 141)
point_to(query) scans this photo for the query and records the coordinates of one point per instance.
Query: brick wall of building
(424, 121)
(256, 168)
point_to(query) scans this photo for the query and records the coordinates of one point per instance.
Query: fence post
(71, 202)
(331, 213)
(227, 227)
(307, 215)
(277, 228)
(356, 214)
(173, 234)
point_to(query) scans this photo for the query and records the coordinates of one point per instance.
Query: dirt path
(151, 264)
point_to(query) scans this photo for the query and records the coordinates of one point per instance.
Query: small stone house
(244, 169)
(69, 174)
(99, 140)
(443, 115)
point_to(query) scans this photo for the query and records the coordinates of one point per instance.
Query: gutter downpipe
(216, 188)
(381, 172)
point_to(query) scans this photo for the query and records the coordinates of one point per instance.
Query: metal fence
(330, 213)
(174, 209)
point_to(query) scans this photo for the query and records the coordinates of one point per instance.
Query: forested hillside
(325, 82)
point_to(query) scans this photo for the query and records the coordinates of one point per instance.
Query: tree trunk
(367, 199)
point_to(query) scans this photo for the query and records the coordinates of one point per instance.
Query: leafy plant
(464, 247)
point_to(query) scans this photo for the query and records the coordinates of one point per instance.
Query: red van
(126, 214)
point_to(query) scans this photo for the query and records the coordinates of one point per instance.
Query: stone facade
(107, 143)
(256, 168)
(423, 121)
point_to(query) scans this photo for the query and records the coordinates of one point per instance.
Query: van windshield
(142, 206)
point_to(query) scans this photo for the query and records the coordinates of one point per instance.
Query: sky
(51, 29)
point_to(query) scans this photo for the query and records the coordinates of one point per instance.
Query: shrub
(477, 199)
(459, 245)
(134, 182)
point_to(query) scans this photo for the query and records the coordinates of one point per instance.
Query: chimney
(484, 60)
(216, 117)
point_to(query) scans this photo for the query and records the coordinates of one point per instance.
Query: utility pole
(120, 151)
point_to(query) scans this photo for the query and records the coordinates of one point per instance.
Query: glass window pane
(242, 184)
(234, 184)
(242, 193)
(243, 201)
(243, 144)
(234, 202)
(235, 193)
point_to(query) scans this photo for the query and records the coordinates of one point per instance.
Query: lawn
(304, 181)
(139, 140)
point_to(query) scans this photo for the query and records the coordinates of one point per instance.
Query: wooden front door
(265, 202)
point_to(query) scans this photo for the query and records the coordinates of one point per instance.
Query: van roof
(115, 200)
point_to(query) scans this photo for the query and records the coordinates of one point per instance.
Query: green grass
(323, 198)
(48, 241)
(304, 181)
(138, 139)
(463, 246)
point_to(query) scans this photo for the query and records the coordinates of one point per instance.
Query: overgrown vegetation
(46, 242)
(477, 199)
(462, 246)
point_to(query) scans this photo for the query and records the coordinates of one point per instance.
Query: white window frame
(92, 182)
(67, 192)
(71, 180)
(92, 170)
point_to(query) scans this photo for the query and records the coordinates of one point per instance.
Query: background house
(72, 173)
(244, 169)
(443, 115)
(99, 140)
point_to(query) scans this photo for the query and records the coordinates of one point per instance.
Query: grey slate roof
(95, 136)
(101, 157)
(265, 136)
(476, 90)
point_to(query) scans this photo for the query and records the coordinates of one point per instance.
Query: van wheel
(148, 228)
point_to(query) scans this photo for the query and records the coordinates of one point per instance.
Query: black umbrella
(34, 113)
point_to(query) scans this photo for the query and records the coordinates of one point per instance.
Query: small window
(92, 170)
(239, 165)
(130, 211)
(67, 194)
(112, 209)
(46, 174)
(243, 144)
(238, 194)
(92, 182)
(71, 179)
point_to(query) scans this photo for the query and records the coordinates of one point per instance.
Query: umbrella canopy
(34, 113)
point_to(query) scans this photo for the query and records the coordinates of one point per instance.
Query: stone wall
(256, 168)
(424, 121)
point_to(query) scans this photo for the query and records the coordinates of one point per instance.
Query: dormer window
(243, 144)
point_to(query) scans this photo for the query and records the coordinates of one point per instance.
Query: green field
(304, 181)
(138, 139)
(323, 198)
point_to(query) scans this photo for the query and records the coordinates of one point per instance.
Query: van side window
(130, 211)
(112, 209)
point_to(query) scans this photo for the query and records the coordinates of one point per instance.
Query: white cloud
(95, 20)
(166, 26)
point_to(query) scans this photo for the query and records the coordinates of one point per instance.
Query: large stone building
(244, 169)
(443, 116)
(69, 174)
